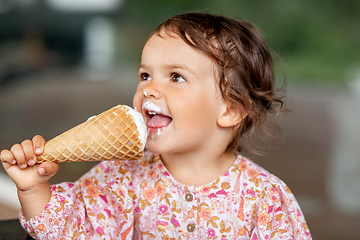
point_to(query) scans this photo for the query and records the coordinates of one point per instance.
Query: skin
(32, 180)
(181, 81)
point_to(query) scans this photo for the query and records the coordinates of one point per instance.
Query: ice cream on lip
(155, 117)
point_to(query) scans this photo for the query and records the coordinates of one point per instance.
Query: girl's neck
(198, 169)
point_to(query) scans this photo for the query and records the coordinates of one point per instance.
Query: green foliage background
(318, 41)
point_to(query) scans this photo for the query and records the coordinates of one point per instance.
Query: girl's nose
(152, 90)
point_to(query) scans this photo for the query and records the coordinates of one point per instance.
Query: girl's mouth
(156, 120)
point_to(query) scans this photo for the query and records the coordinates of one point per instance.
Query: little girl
(204, 81)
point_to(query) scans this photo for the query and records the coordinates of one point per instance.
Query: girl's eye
(145, 77)
(175, 77)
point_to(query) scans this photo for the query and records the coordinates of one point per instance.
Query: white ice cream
(151, 107)
(140, 123)
(91, 118)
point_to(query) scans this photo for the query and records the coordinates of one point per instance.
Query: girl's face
(178, 96)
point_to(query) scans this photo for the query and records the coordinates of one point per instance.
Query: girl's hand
(20, 165)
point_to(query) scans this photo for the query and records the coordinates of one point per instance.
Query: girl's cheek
(137, 101)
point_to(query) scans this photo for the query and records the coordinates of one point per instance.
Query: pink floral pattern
(141, 200)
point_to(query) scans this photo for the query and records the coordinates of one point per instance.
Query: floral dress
(141, 200)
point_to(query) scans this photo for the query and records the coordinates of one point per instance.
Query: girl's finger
(19, 155)
(48, 169)
(38, 144)
(6, 165)
(7, 157)
(28, 149)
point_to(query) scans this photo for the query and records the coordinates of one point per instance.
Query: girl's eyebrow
(172, 66)
(141, 66)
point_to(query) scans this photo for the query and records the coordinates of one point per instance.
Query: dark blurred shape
(11, 230)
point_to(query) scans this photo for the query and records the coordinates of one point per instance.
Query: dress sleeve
(279, 215)
(93, 207)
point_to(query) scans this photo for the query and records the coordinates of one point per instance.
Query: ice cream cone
(116, 134)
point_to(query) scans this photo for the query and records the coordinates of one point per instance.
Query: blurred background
(62, 61)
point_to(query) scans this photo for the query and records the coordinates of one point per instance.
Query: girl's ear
(231, 116)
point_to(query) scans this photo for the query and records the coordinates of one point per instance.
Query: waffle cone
(112, 135)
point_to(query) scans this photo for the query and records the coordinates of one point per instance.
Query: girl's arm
(280, 210)
(89, 208)
(32, 180)
(34, 200)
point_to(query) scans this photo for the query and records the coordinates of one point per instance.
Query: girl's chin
(155, 144)
(153, 148)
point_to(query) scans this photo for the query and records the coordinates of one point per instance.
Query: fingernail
(37, 150)
(41, 171)
(31, 162)
(23, 165)
(13, 161)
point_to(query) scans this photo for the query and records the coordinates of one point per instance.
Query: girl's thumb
(48, 169)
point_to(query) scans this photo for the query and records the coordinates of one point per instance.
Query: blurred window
(84, 5)
(6, 6)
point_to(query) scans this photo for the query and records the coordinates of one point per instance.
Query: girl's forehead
(171, 47)
(166, 44)
(163, 37)
(167, 38)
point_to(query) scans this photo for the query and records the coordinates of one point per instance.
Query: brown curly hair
(244, 66)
